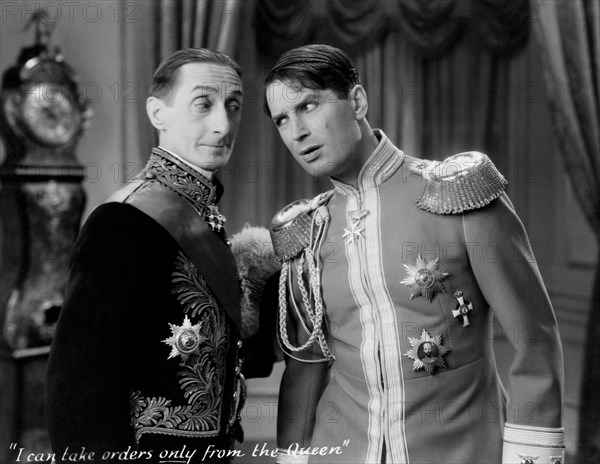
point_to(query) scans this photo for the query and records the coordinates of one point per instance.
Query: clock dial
(50, 114)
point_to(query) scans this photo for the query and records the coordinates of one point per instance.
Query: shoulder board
(291, 227)
(460, 183)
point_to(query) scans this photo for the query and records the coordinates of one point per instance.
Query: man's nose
(299, 129)
(220, 120)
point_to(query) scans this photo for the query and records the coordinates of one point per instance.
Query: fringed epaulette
(291, 227)
(256, 262)
(297, 232)
(460, 183)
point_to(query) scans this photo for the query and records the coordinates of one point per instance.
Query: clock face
(50, 114)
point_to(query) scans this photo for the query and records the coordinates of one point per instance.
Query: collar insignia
(187, 182)
(527, 459)
(427, 352)
(424, 278)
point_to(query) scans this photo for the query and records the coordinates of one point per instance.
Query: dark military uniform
(146, 358)
(407, 295)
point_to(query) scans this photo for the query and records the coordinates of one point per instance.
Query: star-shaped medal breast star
(424, 278)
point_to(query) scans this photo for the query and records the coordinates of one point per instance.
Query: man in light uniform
(426, 254)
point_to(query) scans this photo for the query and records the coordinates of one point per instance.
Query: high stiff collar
(382, 163)
(182, 178)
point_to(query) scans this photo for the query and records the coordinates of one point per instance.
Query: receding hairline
(165, 76)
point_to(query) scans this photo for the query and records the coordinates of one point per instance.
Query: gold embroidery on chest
(201, 374)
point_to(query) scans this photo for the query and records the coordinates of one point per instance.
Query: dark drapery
(568, 33)
(434, 26)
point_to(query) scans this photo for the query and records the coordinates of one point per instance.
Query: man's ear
(360, 103)
(155, 108)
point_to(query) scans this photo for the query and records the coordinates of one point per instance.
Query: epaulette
(460, 183)
(291, 227)
(256, 262)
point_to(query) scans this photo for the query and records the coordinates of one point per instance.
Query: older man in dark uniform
(146, 362)
(390, 354)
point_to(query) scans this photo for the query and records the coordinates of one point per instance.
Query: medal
(424, 278)
(463, 308)
(184, 340)
(528, 459)
(355, 231)
(214, 218)
(427, 352)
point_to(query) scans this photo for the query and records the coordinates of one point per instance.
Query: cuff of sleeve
(533, 445)
(283, 457)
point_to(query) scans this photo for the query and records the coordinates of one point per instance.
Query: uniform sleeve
(259, 351)
(87, 403)
(508, 276)
(303, 382)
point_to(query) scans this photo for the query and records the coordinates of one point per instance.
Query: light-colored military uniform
(408, 293)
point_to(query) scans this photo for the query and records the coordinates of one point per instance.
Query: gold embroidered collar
(182, 178)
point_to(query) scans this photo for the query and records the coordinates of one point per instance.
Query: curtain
(429, 107)
(199, 24)
(433, 108)
(568, 34)
(434, 26)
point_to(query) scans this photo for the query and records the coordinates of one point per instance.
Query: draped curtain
(431, 97)
(440, 80)
(434, 26)
(197, 23)
(433, 108)
(568, 34)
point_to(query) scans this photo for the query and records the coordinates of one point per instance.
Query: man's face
(427, 349)
(318, 128)
(201, 114)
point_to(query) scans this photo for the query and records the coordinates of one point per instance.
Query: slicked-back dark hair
(165, 75)
(318, 67)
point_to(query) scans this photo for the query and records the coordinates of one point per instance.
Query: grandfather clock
(42, 117)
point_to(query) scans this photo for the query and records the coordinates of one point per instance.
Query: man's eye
(280, 122)
(234, 107)
(309, 106)
(202, 103)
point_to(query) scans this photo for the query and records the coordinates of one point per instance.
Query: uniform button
(239, 344)
(150, 175)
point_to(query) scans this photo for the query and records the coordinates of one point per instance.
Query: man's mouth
(310, 153)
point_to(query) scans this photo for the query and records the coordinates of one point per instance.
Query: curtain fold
(198, 23)
(568, 34)
(434, 26)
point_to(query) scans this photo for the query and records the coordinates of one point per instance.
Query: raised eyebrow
(302, 102)
(308, 96)
(277, 117)
(235, 93)
(205, 88)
